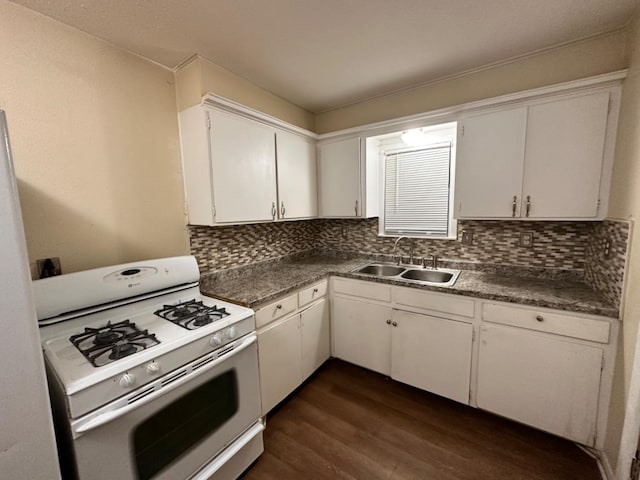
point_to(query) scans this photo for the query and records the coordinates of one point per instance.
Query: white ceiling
(321, 54)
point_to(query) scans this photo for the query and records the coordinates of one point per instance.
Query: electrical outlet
(344, 232)
(606, 251)
(49, 267)
(467, 237)
(526, 239)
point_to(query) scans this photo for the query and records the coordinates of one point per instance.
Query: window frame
(401, 147)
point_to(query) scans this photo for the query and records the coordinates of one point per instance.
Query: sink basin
(431, 276)
(381, 270)
(441, 277)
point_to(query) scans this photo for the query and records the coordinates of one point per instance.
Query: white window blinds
(416, 199)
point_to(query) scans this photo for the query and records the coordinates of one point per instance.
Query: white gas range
(146, 370)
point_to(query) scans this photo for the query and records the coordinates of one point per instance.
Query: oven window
(172, 431)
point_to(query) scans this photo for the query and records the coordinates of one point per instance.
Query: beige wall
(201, 76)
(625, 204)
(95, 143)
(582, 59)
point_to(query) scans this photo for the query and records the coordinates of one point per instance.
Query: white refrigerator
(27, 442)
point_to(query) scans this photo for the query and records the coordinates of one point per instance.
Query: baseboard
(606, 472)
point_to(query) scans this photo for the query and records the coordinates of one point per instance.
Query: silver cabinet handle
(540, 318)
(528, 204)
(273, 210)
(282, 210)
(356, 208)
(514, 205)
(395, 324)
(388, 322)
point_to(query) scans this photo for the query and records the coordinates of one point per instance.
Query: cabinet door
(432, 353)
(361, 334)
(316, 337)
(339, 170)
(244, 168)
(297, 179)
(489, 162)
(540, 380)
(563, 157)
(279, 354)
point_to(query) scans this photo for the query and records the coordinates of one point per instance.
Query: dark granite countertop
(259, 284)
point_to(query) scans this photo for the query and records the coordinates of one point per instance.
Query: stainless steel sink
(433, 276)
(441, 277)
(381, 270)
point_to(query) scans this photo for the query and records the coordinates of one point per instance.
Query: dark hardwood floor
(350, 423)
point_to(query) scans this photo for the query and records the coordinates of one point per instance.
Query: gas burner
(191, 314)
(112, 342)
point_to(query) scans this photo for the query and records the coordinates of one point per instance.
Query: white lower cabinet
(432, 353)
(361, 334)
(279, 356)
(542, 380)
(291, 348)
(421, 350)
(315, 337)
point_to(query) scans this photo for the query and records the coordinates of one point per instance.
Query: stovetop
(96, 347)
(112, 342)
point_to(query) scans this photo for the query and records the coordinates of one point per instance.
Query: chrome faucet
(434, 261)
(395, 246)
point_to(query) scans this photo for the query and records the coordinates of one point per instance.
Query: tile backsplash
(605, 258)
(560, 245)
(574, 247)
(218, 248)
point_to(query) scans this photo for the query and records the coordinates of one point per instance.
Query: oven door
(173, 427)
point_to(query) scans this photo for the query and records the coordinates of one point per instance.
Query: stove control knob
(231, 333)
(127, 380)
(216, 340)
(153, 368)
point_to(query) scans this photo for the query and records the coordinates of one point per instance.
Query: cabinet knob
(279, 307)
(315, 290)
(395, 324)
(540, 318)
(388, 322)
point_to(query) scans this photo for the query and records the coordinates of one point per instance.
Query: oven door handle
(122, 406)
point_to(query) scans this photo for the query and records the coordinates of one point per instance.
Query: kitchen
(89, 199)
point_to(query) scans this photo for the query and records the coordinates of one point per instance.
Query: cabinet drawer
(372, 290)
(438, 302)
(546, 321)
(312, 293)
(277, 309)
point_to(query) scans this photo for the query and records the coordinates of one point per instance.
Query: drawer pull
(279, 307)
(315, 290)
(395, 324)
(388, 322)
(540, 318)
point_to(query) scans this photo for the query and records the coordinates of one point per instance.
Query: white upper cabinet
(241, 166)
(489, 164)
(563, 157)
(244, 168)
(348, 179)
(547, 160)
(297, 186)
(339, 178)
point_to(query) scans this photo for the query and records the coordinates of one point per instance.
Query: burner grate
(191, 314)
(112, 342)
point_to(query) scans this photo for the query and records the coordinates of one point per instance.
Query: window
(416, 190)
